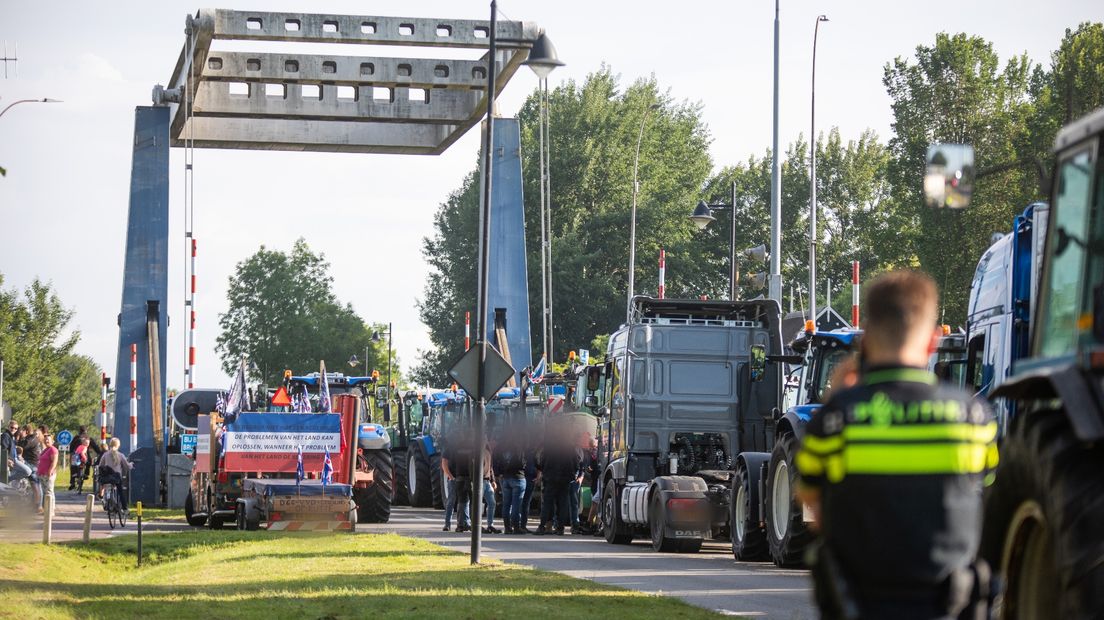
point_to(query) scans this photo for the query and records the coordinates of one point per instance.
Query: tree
(956, 91)
(283, 315)
(44, 382)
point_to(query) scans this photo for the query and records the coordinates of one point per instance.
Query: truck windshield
(824, 372)
(1067, 282)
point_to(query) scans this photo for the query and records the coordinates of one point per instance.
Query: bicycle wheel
(111, 516)
(123, 514)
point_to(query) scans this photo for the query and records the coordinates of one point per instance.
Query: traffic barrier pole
(192, 325)
(662, 272)
(855, 293)
(88, 502)
(47, 518)
(467, 330)
(133, 397)
(103, 406)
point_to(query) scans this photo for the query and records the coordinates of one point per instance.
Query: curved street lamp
(632, 216)
(812, 181)
(43, 100)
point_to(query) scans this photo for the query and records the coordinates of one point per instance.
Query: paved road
(68, 522)
(710, 579)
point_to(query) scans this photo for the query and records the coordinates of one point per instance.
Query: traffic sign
(64, 438)
(496, 372)
(584, 356)
(188, 443)
(281, 399)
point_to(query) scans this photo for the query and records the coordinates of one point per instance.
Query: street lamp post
(632, 216)
(43, 100)
(703, 216)
(775, 289)
(812, 181)
(376, 337)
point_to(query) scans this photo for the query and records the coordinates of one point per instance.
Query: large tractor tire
(787, 535)
(374, 501)
(418, 477)
(1044, 520)
(440, 485)
(749, 539)
(615, 532)
(657, 523)
(193, 519)
(401, 460)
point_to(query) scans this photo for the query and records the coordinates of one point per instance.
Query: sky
(63, 204)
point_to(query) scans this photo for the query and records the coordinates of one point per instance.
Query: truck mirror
(591, 401)
(758, 362)
(594, 378)
(603, 412)
(949, 176)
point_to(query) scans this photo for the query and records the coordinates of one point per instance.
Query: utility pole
(774, 289)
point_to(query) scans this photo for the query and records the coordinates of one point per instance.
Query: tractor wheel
(1044, 520)
(440, 485)
(786, 531)
(418, 479)
(189, 513)
(374, 501)
(401, 461)
(657, 519)
(615, 532)
(749, 541)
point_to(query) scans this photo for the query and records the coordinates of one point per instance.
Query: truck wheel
(189, 513)
(402, 478)
(749, 541)
(240, 518)
(615, 532)
(657, 517)
(418, 478)
(374, 501)
(786, 531)
(1044, 520)
(439, 484)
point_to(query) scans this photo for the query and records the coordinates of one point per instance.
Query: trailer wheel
(402, 463)
(1044, 520)
(657, 517)
(189, 513)
(749, 540)
(439, 484)
(418, 478)
(374, 501)
(786, 531)
(243, 522)
(615, 532)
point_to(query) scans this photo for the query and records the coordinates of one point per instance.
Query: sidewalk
(69, 522)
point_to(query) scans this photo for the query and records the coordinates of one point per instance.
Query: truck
(1043, 528)
(688, 387)
(768, 521)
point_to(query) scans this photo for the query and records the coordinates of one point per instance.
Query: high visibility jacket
(900, 461)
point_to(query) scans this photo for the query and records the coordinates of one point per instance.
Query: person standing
(32, 449)
(893, 470)
(489, 488)
(7, 440)
(456, 464)
(559, 466)
(510, 462)
(77, 455)
(47, 473)
(532, 476)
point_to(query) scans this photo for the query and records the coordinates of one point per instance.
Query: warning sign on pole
(281, 398)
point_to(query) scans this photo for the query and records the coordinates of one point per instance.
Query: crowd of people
(34, 460)
(560, 463)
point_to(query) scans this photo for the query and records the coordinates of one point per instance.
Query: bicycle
(116, 512)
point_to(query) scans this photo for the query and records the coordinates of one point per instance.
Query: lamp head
(375, 336)
(702, 216)
(822, 18)
(542, 57)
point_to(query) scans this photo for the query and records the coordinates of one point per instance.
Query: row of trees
(283, 315)
(868, 191)
(44, 381)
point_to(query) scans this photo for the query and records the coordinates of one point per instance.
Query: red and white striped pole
(855, 293)
(467, 330)
(103, 406)
(133, 397)
(192, 326)
(662, 272)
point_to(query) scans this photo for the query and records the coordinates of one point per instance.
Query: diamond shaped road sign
(496, 372)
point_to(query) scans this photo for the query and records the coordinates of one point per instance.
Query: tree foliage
(283, 315)
(44, 381)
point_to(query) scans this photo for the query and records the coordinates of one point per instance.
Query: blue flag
(324, 404)
(299, 475)
(327, 469)
(537, 375)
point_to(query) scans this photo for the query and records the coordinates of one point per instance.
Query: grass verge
(203, 574)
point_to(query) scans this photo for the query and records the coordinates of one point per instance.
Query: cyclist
(113, 467)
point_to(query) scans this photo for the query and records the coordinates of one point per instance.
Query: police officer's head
(900, 318)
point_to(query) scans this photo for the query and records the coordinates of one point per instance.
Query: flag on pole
(537, 375)
(238, 399)
(327, 469)
(324, 404)
(299, 475)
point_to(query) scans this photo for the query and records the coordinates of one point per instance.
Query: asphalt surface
(68, 524)
(710, 579)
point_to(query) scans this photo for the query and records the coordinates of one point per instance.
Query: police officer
(893, 468)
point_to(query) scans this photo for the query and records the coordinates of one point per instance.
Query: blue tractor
(441, 410)
(766, 520)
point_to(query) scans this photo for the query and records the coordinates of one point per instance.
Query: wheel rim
(607, 514)
(1028, 564)
(738, 527)
(780, 500)
(412, 474)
